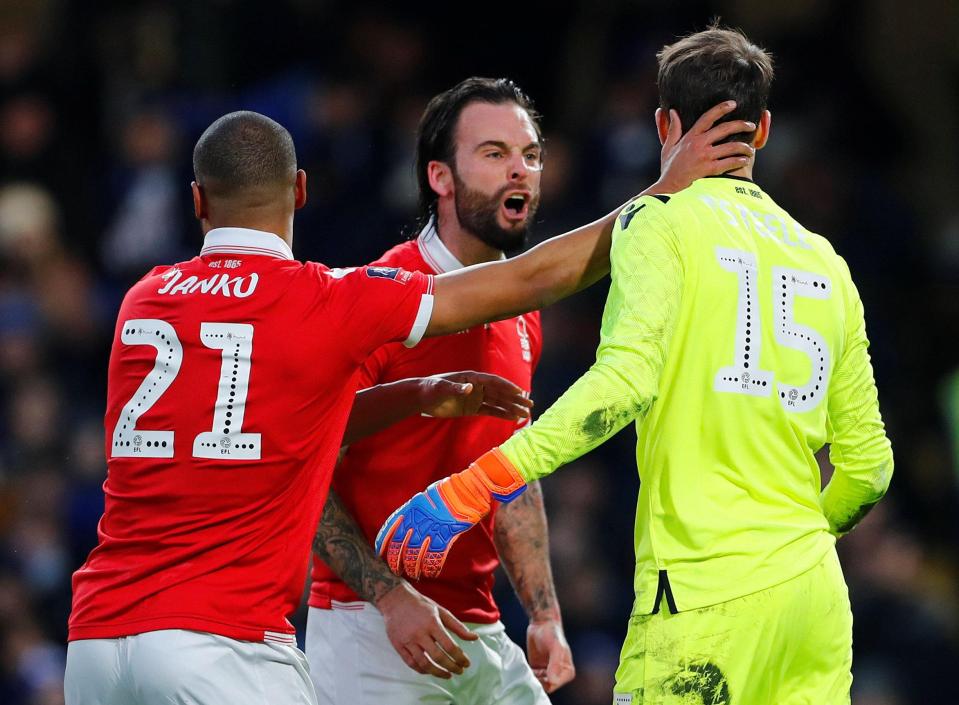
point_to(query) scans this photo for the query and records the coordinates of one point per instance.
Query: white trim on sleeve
(421, 321)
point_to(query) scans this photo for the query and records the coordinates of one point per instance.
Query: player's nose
(518, 168)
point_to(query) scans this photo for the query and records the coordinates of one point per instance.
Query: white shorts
(178, 667)
(352, 662)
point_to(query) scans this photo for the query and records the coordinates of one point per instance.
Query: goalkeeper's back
(767, 362)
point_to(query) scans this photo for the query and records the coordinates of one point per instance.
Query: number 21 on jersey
(225, 441)
(745, 376)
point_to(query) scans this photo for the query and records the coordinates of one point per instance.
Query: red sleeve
(379, 305)
(535, 332)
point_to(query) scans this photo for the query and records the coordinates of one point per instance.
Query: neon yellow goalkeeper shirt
(735, 339)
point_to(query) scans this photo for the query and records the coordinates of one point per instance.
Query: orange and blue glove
(416, 539)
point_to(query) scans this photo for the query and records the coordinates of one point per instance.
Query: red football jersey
(380, 472)
(230, 382)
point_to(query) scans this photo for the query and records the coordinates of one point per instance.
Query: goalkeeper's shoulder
(644, 207)
(648, 224)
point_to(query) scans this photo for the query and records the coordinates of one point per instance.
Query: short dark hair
(708, 67)
(242, 150)
(436, 134)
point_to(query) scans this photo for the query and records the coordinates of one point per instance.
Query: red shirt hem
(114, 630)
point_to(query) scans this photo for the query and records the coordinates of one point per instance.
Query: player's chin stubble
(477, 213)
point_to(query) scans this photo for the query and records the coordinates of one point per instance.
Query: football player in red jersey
(230, 382)
(479, 159)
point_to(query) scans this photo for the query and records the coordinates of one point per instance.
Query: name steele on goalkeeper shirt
(736, 340)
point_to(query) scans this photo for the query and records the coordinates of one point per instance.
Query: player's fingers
(488, 378)
(446, 388)
(451, 648)
(398, 551)
(558, 675)
(498, 387)
(675, 131)
(516, 413)
(413, 559)
(457, 627)
(725, 129)
(520, 405)
(709, 118)
(425, 665)
(732, 149)
(433, 563)
(408, 659)
(510, 395)
(387, 539)
(504, 410)
(439, 655)
(722, 166)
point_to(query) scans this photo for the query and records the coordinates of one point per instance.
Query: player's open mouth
(516, 206)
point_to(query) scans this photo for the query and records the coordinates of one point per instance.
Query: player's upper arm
(377, 305)
(550, 271)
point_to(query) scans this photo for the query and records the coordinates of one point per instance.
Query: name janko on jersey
(222, 284)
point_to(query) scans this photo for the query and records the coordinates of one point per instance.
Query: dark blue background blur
(100, 104)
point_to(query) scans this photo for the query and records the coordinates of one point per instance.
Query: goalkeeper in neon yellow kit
(735, 339)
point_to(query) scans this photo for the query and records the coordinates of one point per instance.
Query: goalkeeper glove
(417, 537)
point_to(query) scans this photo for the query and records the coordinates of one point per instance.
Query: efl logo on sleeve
(622, 698)
(397, 275)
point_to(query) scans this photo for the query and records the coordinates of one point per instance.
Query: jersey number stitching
(225, 441)
(744, 376)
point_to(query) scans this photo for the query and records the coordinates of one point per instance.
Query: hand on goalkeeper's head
(416, 539)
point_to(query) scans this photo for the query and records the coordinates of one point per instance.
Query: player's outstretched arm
(638, 324)
(522, 542)
(417, 627)
(447, 395)
(567, 263)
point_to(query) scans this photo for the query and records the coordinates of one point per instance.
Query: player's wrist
(546, 617)
(664, 185)
(394, 597)
(491, 477)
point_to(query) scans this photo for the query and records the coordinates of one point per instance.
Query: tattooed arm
(340, 544)
(415, 625)
(522, 543)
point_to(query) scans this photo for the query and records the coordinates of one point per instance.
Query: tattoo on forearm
(340, 543)
(523, 546)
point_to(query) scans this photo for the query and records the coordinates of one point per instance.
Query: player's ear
(299, 189)
(762, 129)
(200, 209)
(441, 177)
(662, 124)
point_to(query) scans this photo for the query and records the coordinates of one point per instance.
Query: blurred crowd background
(101, 103)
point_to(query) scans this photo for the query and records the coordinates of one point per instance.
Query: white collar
(435, 251)
(245, 241)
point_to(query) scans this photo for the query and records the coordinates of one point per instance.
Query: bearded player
(479, 160)
(735, 339)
